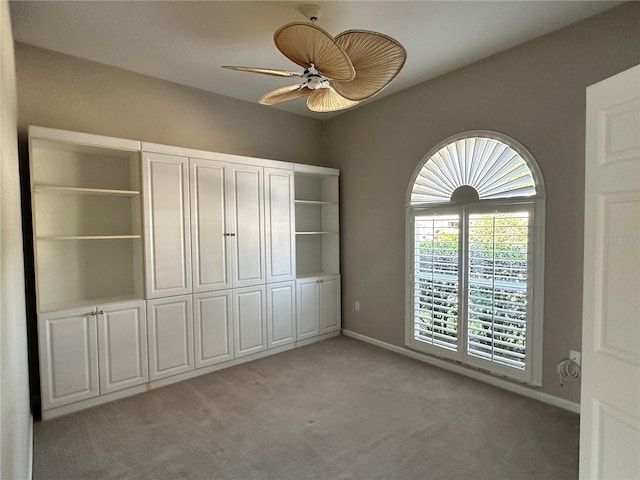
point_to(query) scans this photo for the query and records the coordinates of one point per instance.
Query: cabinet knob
(93, 313)
(100, 312)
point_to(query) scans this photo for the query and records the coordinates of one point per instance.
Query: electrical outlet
(357, 306)
(575, 356)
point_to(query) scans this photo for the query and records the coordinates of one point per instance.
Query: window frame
(536, 204)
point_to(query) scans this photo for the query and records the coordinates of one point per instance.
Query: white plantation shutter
(475, 252)
(435, 293)
(498, 286)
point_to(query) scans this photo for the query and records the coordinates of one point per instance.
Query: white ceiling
(187, 42)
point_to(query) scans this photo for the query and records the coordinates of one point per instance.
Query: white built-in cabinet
(86, 352)
(317, 251)
(156, 263)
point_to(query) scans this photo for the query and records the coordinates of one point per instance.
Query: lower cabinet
(318, 306)
(249, 320)
(281, 314)
(170, 323)
(213, 322)
(90, 351)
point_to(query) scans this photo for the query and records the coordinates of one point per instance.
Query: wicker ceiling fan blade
(284, 94)
(265, 71)
(328, 100)
(306, 44)
(377, 59)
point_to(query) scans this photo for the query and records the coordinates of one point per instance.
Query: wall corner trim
(497, 382)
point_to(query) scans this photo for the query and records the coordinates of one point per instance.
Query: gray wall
(61, 91)
(534, 93)
(15, 417)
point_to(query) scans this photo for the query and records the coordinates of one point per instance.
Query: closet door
(166, 225)
(279, 223)
(247, 224)
(209, 231)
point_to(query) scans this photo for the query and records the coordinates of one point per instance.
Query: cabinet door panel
(250, 323)
(167, 235)
(308, 308)
(329, 304)
(281, 314)
(211, 260)
(248, 221)
(122, 341)
(279, 214)
(68, 357)
(213, 328)
(170, 323)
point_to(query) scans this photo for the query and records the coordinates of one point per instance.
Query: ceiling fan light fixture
(339, 72)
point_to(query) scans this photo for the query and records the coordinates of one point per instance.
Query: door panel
(329, 304)
(167, 235)
(610, 400)
(170, 323)
(211, 260)
(279, 214)
(213, 327)
(250, 322)
(122, 342)
(68, 356)
(308, 308)
(281, 314)
(248, 220)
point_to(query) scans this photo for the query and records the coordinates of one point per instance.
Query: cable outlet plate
(575, 356)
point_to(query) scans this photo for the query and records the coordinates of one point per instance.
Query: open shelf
(317, 225)
(87, 219)
(83, 191)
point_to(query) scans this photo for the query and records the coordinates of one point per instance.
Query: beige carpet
(338, 409)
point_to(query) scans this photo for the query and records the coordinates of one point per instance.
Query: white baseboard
(483, 377)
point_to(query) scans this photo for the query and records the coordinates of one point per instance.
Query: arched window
(475, 255)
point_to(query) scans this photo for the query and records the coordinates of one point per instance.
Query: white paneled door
(122, 346)
(209, 225)
(166, 227)
(610, 403)
(213, 322)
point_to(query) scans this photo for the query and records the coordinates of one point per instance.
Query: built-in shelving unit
(317, 222)
(86, 218)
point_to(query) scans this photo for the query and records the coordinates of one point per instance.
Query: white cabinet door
(308, 308)
(249, 320)
(281, 314)
(170, 324)
(122, 346)
(329, 304)
(209, 225)
(166, 225)
(212, 315)
(279, 225)
(247, 225)
(68, 356)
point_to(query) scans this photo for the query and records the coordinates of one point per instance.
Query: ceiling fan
(339, 72)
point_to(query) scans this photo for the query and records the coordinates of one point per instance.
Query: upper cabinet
(167, 233)
(317, 221)
(212, 224)
(279, 216)
(85, 193)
